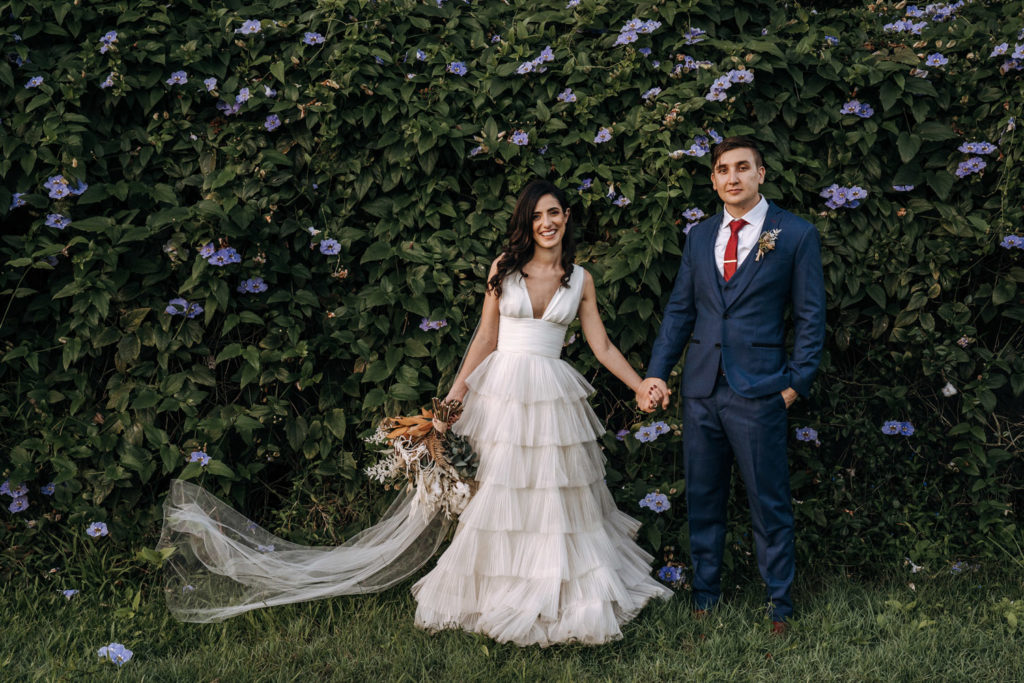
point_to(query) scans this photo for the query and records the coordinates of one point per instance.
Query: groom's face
(737, 178)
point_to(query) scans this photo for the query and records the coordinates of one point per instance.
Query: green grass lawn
(947, 627)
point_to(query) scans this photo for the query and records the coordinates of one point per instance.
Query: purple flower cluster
(1016, 61)
(567, 96)
(519, 137)
(604, 134)
(656, 501)
(1012, 242)
(905, 26)
(723, 83)
(972, 165)
(902, 188)
(651, 432)
(536, 65)
(181, 306)
(977, 148)
(894, 427)
(855, 107)
(633, 28)
(107, 41)
(831, 40)
(807, 434)
(18, 493)
(108, 82)
(229, 109)
(253, 285)
(426, 324)
(701, 146)
(843, 196)
(115, 652)
(224, 256)
(200, 457)
(693, 215)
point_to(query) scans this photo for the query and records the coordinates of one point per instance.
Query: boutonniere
(766, 242)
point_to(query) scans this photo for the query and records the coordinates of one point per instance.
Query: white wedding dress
(541, 554)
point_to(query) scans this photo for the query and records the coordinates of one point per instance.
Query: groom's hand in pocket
(789, 395)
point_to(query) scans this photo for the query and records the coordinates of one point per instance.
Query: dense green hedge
(367, 181)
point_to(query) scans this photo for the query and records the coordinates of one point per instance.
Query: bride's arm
(593, 329)
(485, 341)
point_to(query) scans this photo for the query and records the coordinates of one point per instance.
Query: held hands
(652, 392)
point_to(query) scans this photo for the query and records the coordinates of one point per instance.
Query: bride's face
(549, 221)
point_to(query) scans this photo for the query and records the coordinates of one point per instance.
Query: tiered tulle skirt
(541, 554)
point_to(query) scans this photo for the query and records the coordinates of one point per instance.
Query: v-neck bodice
(519, 331)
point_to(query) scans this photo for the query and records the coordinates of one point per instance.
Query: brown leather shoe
(699, 614)
(779, 628)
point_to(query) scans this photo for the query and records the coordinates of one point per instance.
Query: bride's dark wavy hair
(518, 249)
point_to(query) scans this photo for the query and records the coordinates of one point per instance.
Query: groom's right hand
(651, 392)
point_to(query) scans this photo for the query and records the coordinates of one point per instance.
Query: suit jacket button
(718, 346)
(726, 316)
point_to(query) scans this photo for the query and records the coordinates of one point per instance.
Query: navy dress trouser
(717, 430)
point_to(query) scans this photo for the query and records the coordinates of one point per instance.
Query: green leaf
(934, 131)
(908, 146)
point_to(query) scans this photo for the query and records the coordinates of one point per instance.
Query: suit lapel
(750, 267)
(712, 276)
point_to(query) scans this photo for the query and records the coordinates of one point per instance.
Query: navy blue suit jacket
(739, 324)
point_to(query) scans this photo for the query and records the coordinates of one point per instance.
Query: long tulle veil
(225, 564)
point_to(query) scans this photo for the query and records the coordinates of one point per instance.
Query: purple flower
(69, 593)
(55, 220)
(18, 504)
(330, 247)
(741, 76)
(34, 82)
(659, 502)
(906, 429)
(426, 324)
(649, 26)
(1012, 242)
(670, 574)
(621, 434)
(224, 256)
(936, 59)
(525, 68)
(58, 187)
(254, 285)
(79, 189)
(97, 529)
(17, 201)
(715, 137)
(272, 122)
(268, 91)
(108, 82)
(520, 138)
(228, 109)
(693, 214)
(496, 38)
(207, 250)
(625, 38)
(603, 135)
(249, 27)
(972, 165)
(831, 40)
(476, 150)
(566, 95)
(421, 56)
(806, 434)
(1000, 50)
(48, 489)
(242, 96)
(458, 68)
(645, 51)
(572, 3)
(210, 83)
(177, 78)
(645, 435)
(651, 94)
(585, 184)
(693, 36)
(312, 38)
(902, 188)
(622, 201)
(115, 652)
(843, 196)
(200, 457)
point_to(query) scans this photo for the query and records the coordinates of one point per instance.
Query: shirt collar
(755, 216)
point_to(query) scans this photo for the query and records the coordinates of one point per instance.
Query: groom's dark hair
(736, 142)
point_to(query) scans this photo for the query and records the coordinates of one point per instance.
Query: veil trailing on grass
(225, 564)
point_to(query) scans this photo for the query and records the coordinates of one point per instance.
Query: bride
(541, 554)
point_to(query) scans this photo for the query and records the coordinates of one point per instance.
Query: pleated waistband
(529, 335)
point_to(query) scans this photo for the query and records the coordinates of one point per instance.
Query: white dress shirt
(748, 234)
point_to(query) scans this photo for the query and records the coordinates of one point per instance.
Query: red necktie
(729, 264)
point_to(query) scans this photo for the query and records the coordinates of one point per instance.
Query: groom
(740, 271)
